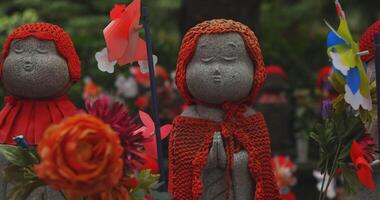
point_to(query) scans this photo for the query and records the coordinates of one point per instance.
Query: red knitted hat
(277, 70)
(366, 41)
(219, 26)
(47, 31)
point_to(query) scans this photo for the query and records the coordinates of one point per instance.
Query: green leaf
(23, 189)
(14, 155)
(160, 195)
(351, 182)
(147, 179)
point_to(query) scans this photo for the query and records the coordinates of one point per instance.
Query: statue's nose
(28, 65)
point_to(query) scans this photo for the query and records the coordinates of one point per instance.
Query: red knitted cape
(189, 145)
(31, 117)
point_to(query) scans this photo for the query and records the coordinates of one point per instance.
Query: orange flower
(81, 156)
(119, 192)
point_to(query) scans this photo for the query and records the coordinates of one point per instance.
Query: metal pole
(376, 40)
(153, 90)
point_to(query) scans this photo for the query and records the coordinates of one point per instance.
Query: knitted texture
(219, 26)
(366, 41)
(189, 144)
(47, 31)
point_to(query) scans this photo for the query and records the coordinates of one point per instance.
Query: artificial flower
(149, 132)
(326, 108)
(367, 143)
(142, 102)
(143, 78)
(331, 190)
(144, 65)
(125, 125)
(81, 156)
(284, 170)
(119, 192)
(363, 168)
(126, 87)
(122, 35)
(104, 64)
(90, 89)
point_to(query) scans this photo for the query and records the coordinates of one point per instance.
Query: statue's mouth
(217, 78)
(28, 67)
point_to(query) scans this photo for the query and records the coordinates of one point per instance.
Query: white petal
(128, 88)
(356, 100)
(104, 64)
(338, 64)
(144, 65)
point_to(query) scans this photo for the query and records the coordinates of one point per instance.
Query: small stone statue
(219, 147)
(367, 43)
(39, 64)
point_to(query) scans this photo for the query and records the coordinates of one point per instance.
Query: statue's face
(220, 70)
(33, 69)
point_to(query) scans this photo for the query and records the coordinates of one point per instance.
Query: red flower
(362, 166)
(118, 117)
(367, 143)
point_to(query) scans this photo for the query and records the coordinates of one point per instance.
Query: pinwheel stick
(377, 64)
(153, 90)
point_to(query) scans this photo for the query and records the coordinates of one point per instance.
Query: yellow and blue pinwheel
(349, 76)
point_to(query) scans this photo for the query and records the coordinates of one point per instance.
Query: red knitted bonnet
(366, 41)
(47, 31)
(219, 26)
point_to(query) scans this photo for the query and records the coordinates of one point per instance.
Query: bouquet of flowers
(97, 155)
(345, 146)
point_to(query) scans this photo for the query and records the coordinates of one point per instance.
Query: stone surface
(34, 69)
(221, 71)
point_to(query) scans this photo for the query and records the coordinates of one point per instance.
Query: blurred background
(292, 36)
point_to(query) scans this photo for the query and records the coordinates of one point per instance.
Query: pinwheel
(349, 76)
(151, 147)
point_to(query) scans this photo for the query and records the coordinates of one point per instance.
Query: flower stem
(63, 195)
(323, 180)
(333, 169)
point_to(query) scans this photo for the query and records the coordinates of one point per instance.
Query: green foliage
(334, 136)
(148, 185)
(20, 171)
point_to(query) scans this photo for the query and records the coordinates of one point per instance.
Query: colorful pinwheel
(349, 77)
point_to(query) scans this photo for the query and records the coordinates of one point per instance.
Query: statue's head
(39, 61)
(220, 61)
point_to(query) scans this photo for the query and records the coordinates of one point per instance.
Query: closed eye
(18, 50)
(42, 50)
(229, 58)
(207, 59)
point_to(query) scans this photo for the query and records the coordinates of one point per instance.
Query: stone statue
(39, 64)
(219, 147)
(367, 43)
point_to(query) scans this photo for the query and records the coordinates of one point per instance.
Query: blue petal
(333, 39)
(353, 79)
